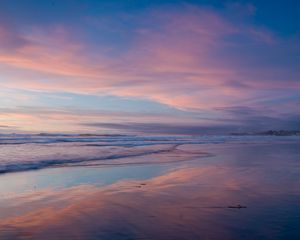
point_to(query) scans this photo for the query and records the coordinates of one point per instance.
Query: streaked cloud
(188, 57)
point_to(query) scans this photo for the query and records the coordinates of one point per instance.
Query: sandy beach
(229, 193)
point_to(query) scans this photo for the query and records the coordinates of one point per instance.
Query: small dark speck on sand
(140, 185)
(237, 206)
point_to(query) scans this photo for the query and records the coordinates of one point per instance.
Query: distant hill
(270, 133)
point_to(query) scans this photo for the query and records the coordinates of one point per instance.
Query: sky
(149, 66)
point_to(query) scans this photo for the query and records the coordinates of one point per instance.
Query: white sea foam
(21, 152)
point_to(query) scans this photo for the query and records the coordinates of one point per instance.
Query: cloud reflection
(147, 209)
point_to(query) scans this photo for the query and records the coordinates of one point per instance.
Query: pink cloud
(180, 62)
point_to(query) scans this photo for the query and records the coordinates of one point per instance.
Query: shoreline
(230, 191)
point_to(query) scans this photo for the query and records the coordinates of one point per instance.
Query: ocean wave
(22, 152)
(23, 166)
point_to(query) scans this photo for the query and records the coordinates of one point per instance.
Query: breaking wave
(22, 152)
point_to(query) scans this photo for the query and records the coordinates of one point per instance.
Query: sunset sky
(170, 67)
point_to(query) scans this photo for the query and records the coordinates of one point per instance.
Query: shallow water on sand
(221, 189)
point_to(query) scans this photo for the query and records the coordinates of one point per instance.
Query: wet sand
(237, 191)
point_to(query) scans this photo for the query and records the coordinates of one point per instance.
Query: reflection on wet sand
(190, 202)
